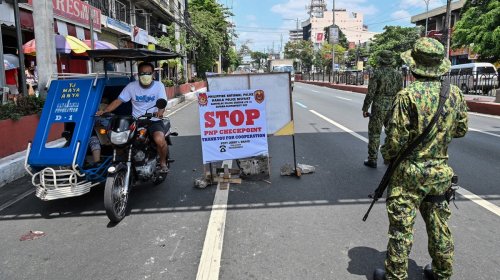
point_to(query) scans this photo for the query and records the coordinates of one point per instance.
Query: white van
(478, 77)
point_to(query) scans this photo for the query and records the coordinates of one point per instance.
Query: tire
(115, 202)
(464, 89)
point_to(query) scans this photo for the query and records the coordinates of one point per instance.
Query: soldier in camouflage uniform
(426, 171)
(382, 88)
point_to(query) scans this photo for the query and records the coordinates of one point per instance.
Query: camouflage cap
(427, 58)
(386, 57)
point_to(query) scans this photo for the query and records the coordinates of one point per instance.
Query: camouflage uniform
(382, 88)
(426, 171)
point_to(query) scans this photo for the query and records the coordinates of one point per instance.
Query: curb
(488, 108)
(12, 167)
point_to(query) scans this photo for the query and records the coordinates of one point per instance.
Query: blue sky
(265, 21)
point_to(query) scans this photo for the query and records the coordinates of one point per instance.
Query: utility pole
(281, 45)
(426, 15)
(2, 70)
(446, 35)
(333, 46)
(20, 52)
(91, 22)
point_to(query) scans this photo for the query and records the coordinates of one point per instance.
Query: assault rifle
(443, 95)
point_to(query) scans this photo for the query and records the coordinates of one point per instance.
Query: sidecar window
(60, 131)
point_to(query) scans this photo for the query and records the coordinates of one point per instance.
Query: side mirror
(161, 103)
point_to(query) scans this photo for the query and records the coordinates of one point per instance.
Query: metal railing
(481, 84)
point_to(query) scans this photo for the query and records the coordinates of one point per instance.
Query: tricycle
(127, 155)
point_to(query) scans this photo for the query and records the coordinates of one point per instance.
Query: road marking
(314, 90)
(16, 199)
(209, 266)
(485, 115)
(478, 200)
(484, 132)
(170, 114)
(340, 126)
(301, 105)
(343, 98)
(467, 194)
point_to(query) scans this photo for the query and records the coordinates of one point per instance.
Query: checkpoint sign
(233, 124)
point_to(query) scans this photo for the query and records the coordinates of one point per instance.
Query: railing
(484, 84)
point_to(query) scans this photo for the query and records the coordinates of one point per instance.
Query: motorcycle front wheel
(115, 196)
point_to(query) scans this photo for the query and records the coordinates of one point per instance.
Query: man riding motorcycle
(143, 94)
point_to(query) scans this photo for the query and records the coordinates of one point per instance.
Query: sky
(262, 22)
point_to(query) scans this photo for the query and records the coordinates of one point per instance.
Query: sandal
(164, 169)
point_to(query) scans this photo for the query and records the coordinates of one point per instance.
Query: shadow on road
(364, 260)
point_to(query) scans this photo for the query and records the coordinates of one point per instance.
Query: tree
(394, 38)
(209, 23)
(479, 28)
(258, 56)
(323, 57)
(301, 50)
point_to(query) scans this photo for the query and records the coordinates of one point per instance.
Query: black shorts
(156, 126)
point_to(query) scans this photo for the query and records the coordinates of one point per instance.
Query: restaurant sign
(77, 12)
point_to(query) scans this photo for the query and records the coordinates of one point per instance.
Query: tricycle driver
(143, 94)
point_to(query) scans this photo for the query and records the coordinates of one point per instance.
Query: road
(288, 228)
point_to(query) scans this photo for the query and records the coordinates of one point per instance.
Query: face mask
(146, 79)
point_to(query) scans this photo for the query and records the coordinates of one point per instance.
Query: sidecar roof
(131, 54)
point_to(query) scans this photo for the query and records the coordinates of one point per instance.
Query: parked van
(477, 77)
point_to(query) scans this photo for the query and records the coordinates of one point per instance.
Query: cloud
(251, 17)
(297, 8)
(405, 4)
(400, 14)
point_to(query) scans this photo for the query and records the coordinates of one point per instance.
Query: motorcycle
(135, 159)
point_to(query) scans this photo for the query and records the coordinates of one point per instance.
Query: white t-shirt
(143, 98)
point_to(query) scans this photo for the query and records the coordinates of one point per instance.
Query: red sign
(319, 37)
(76, 11)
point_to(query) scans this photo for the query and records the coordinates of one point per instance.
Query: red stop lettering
(236, 118)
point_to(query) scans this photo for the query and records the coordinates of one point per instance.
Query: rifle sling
(443, 95)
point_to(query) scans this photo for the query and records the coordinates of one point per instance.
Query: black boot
(429, 273)
(379, 274)
(371, 163)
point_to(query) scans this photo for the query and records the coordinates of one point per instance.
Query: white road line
(467, 194)
(16, 199)
(340, 126)
(484, 132)
(478, 200)
(209, 266)
(485, 115)
(314, 90)
(170, 114)
(343, 98)
(301, 105)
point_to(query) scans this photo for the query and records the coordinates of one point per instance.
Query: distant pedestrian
(12, 82)
(382, 88)
(31, 83)
(422, 179)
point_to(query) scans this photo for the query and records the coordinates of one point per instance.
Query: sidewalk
(12, 167)
(476, 103)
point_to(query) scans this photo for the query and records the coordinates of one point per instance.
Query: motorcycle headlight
(119, 138)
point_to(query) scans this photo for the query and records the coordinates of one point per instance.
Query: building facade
(435, 19)
(296, 35)
(350, 23)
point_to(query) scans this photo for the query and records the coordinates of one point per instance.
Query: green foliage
(302, 50)
(342, 38)
(479, 29)
(394, 38)
(258, 56)
(233, 58)
(26, 105)
(209, 21)
(168, 83)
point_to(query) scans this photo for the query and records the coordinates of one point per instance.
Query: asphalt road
(287, 228)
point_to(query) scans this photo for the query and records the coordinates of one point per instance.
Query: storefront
(70, 18)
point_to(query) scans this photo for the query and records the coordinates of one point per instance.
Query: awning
(7, 14)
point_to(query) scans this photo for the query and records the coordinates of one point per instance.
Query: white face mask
(146, 79)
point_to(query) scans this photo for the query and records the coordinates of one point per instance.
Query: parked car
(474, 77)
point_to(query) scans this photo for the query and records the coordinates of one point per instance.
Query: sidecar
(72, 101)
